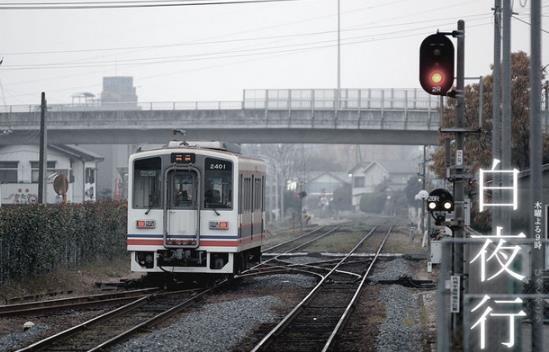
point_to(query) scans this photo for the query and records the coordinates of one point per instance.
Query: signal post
(437, 78)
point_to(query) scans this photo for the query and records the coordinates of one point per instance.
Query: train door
(181, 204)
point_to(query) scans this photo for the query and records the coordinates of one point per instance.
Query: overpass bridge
(358, 116)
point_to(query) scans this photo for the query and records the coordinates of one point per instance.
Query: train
(195, 208)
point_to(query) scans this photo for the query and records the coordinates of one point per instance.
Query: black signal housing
(436, 64)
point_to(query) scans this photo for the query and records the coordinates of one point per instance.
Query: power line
(263, 56)
(528, 23)
(282, 36)
(166, 59)
(137, 5)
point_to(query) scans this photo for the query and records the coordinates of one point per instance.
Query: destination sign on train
(183, 158)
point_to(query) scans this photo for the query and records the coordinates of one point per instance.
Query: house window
(35, 170)
(8, 171)
(90, 175)
(358, 181)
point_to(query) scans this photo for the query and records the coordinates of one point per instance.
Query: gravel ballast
(214, 328)
(391, 270)
(401, 329)
(17, 339)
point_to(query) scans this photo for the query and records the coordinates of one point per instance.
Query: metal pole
(546, 106)
(496, 108)
(506, 107)
(459, 184)
(43, 163)
(338, 52)
(536, 172)
(423, 175)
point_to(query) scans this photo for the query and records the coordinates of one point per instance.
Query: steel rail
(266, 339)
(358, 291)
(294, 239)
(157, 318)
(308, 265)
(169, 312)
(329, 232)
(68, 302)
(74, 298)
(105, 316)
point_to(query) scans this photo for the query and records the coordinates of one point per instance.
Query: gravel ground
(280, 282)
(10, 341)
(391, 270)
(401, 330)
(216, 327)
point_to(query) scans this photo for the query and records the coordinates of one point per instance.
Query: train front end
(183, 213)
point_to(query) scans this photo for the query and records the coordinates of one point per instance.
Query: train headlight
(432, 205)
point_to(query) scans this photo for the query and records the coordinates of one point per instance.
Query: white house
(19, 173)
(366, 177)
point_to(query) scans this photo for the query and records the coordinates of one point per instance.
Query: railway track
(301, 241)
(73, 302)
(148, 308)
(117, 324)
(314, 322)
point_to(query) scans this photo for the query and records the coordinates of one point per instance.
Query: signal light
(436, 64)
(440, 200)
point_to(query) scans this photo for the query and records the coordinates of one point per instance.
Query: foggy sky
(220, 57)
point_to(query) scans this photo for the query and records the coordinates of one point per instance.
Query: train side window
(147, 183)
(258, 191)
(218, 185)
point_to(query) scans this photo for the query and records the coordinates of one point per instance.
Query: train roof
(229, 149)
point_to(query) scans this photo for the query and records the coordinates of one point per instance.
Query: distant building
(118, 93)
(325, 182)
(365, 178)
(19, 173)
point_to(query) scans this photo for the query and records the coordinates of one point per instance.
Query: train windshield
(218, 184)
(147, 183)
(182, 185)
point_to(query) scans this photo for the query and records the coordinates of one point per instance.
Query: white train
(195, 209)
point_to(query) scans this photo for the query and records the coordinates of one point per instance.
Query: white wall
(24, 191)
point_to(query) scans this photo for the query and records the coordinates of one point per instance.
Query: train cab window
(182, 185)
(147, 183)
(218, 184)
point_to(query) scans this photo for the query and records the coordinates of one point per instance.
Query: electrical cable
(202, 56)
(151, 5)
(223, 65)
(528, 23)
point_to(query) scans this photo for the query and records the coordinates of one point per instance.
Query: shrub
(373, 202)
(35, 239)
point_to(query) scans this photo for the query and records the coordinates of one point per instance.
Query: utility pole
(536, 173)
(459, 181)
(338, 99)
(423, 176)
(43, 159)
(506, 106)
(496, 108)
(546, 107)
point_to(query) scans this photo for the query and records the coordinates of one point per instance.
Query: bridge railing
(295, 99)
(269, 99)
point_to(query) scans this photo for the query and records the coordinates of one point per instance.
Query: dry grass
(78, 280)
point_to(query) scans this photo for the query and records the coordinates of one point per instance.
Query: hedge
(36, 239)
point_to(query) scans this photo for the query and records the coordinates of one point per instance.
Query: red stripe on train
(211, 243)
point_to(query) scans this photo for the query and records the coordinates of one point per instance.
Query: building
(324, 183)
(19, 173)
(118, 93)
(366, 177)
